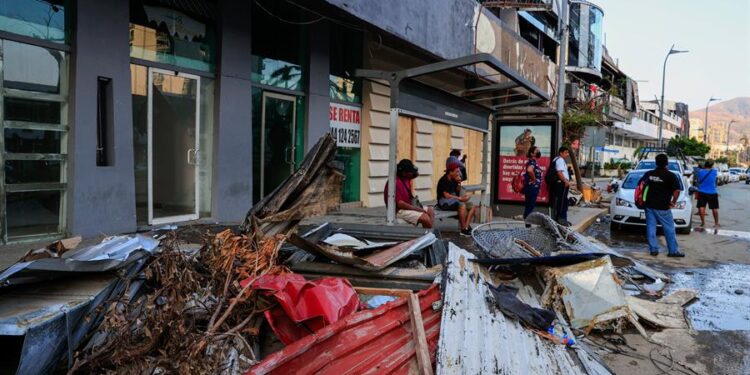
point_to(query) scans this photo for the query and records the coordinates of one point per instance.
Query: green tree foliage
(723, 159)
(689, 146)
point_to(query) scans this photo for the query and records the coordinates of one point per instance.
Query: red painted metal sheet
(305, 306)
(378, 341)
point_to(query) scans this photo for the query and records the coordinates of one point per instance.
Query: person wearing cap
(451, 199)
(707, 193)
(453, 158)
(407, 207)
(524, 143)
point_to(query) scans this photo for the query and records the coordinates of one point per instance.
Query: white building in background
(622, 139)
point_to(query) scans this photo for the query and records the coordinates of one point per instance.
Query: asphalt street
(717, 265)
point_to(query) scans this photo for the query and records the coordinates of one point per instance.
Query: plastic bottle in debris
(556, 330)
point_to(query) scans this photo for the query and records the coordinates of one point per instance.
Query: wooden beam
(424, 364)
(402, 293)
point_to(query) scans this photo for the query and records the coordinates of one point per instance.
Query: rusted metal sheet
(476, 338)
(374, 261)
(368, 342)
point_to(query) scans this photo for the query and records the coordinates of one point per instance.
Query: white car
(734, 176)
(624, 212)
(674, 165)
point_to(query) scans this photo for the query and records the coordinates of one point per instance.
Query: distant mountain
(737, 109)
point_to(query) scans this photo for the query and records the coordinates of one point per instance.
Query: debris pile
(335, 298)
(196, 316)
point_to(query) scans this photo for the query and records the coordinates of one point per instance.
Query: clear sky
(716, 32)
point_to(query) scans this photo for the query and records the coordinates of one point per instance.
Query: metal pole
(661, 106)
(392, 155)
(485, 162)
(705, 125)
(561, 63)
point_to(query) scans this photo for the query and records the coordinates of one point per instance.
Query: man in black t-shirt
(450, 198)
(663, 189)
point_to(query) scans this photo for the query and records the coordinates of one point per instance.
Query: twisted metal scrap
(497, 240)
(194, 318)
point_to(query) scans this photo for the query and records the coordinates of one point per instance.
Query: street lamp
(705, 124)
(672, 51)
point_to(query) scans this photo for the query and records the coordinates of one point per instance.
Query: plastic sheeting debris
(305, 306)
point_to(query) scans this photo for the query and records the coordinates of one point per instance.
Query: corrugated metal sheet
(476, 338)
(378, 341)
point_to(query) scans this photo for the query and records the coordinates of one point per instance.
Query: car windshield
(631, 180)
(672, 166)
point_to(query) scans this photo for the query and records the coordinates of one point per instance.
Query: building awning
(490, 87)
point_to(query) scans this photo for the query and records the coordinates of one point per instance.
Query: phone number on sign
(349, 137)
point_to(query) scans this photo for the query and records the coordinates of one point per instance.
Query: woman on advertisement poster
(524, 142)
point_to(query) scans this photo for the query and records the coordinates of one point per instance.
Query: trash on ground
(667, 312)
(384, 340)
(476, 337)
(304, 306)
(313, 189)
(111, 254)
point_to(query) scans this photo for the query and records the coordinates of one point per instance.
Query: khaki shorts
(409, 216)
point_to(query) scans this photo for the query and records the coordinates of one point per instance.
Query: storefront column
(101, 199)
(232, 193)
(318, 95)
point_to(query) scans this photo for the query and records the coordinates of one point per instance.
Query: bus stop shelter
(492, 88)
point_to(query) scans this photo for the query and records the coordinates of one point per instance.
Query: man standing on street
(663, 190)
(707, 193)
(559, 190)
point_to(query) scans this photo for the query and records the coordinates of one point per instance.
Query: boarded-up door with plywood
(441, 149)
(473, 151)
(406, 142)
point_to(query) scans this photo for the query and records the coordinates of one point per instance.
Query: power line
(288, 21)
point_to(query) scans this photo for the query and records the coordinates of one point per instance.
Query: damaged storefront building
(124, 115)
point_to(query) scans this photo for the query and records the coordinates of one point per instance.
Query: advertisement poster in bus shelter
(515, 141)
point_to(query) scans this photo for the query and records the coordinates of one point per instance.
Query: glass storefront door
(173, 146)
(277, 147)
(33, 152)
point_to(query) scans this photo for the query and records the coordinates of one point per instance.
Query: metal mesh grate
(496, 240)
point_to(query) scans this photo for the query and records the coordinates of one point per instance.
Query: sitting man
(450, 198)
(407, 207)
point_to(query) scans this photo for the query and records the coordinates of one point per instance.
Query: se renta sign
(346, 124)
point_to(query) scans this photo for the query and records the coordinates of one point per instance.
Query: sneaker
(466, 232)
(676, 254)
(653, 253)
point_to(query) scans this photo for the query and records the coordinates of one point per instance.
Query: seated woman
(450, 198)
(407, 208)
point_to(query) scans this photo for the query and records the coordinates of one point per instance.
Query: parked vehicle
(740, 172)
(734, 176)
(624, 212)
(723, 169)
(747, 180)
(674, 166)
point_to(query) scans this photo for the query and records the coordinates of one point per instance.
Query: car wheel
(613, 227)
(685, 230)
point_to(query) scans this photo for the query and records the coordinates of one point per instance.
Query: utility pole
(561, 64)
(705, 124)
(672, 51)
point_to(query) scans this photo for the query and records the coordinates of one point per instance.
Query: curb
(584, 224)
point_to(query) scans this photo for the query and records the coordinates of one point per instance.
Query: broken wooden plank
(401, 293)
(424, 364)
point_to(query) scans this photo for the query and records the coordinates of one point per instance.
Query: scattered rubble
(343, 298)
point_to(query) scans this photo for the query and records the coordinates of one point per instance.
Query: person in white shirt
(561, 187)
